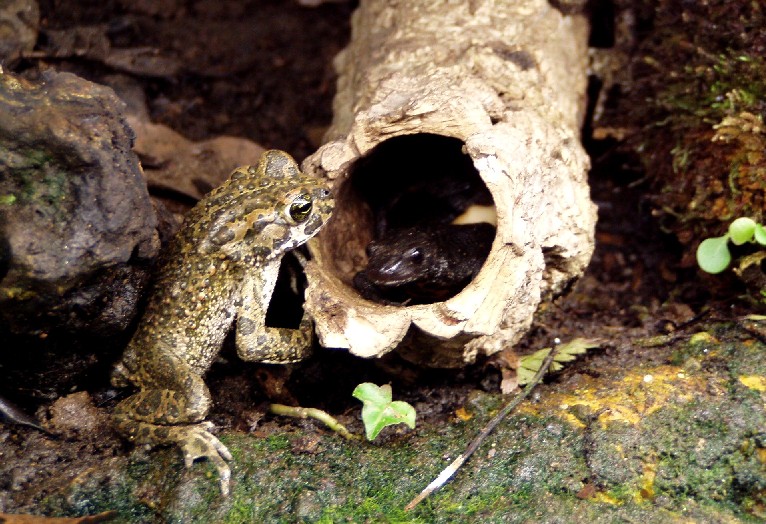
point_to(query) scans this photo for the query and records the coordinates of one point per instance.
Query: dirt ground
(262, 70)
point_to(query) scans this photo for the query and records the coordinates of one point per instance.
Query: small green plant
(379, 410)
(529, 365)
(713, 254)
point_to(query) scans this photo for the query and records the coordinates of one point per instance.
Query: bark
(507, 80)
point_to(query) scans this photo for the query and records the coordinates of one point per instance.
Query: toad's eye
(300, 208)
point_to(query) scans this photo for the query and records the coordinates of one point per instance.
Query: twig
(450, 470)
(317, 414)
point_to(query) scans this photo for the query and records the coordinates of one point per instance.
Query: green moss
(275, 443)
(689, 448)
(38, 180)
(90, 498)
(7, 200)
(699, 97)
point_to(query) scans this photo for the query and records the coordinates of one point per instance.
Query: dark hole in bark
(395, 240)
(602, 21)
(285, 308)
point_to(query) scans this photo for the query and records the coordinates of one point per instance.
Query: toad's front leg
(257, 342)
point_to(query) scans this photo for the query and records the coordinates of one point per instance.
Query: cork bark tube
(501, 82)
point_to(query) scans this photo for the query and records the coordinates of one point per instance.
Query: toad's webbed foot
(196, 442)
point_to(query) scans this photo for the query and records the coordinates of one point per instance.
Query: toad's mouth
(285, 309)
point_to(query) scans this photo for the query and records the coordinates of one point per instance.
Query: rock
(77, 227)
(75, 416)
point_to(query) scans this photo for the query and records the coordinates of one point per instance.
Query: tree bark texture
(507, 79)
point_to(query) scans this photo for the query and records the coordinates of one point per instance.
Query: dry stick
(317, 414)
(450, 470)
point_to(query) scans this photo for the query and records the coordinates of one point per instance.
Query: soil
(263, 70)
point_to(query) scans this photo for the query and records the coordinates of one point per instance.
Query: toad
(218, 271)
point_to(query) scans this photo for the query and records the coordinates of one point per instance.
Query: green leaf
(529, 365)
(742, 230)
(380, 411)
(713, 254)
(369, 392)
(760, 234)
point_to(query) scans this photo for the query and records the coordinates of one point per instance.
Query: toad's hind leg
(172, 392)
(158, 416)
(195, 441)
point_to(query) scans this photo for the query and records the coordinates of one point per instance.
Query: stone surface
(77, 228)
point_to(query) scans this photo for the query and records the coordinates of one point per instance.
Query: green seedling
(529, 365)
(713, 255)
(379, 410)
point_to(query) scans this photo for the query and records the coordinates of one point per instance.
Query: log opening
(423, 221)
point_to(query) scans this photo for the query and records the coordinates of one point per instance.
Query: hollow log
(430, 92)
